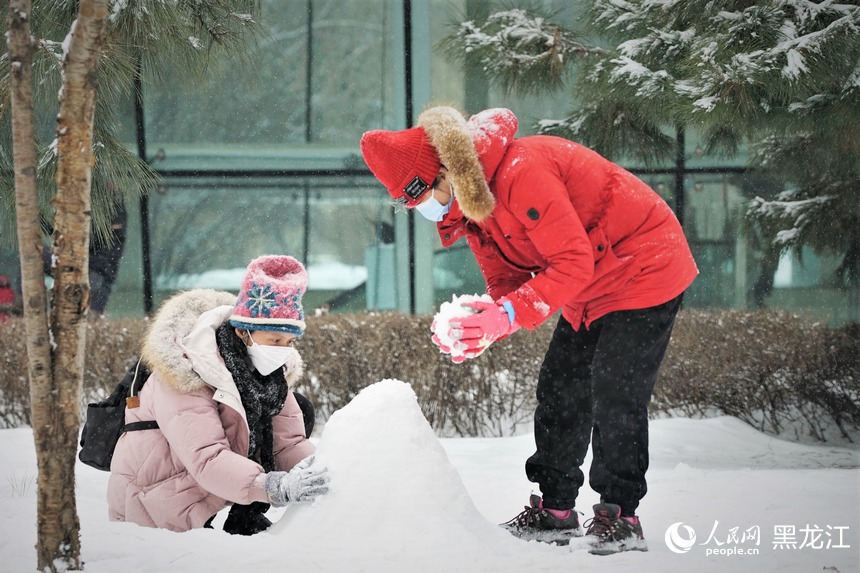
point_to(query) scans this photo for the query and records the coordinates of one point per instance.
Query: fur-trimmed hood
(180, 344)
(471, 151)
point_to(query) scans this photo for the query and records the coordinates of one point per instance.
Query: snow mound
(452, 310)
(393, 490)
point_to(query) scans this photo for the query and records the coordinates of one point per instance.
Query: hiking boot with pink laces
(608, 532)
(537, 523)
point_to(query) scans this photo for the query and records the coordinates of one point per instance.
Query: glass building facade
(261, 156)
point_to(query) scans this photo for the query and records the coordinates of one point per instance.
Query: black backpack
(105, 421)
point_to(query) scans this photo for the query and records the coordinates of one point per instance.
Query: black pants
(595, 384)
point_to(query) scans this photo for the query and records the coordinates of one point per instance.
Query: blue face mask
(432, 209)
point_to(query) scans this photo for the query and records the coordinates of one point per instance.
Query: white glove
(305, 482)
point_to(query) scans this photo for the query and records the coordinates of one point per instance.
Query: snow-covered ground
(404, 501)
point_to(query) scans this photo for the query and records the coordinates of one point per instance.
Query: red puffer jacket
(569, 229)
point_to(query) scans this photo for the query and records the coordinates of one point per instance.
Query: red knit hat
(271, 295)
(404, 161)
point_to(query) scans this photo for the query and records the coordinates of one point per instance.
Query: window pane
(206, 230)
(350, 56)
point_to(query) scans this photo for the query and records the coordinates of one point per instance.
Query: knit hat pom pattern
(271, 296)
(404, 161)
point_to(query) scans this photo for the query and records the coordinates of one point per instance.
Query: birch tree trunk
(56, 379)
(21, 48)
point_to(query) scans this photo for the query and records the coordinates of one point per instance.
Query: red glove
(492, 322)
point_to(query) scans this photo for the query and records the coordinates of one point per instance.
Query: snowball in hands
(305, 482)
(449, 311)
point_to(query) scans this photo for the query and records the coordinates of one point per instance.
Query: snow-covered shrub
(112, 347)
(784, 374)
(14, 389)
(491, 396)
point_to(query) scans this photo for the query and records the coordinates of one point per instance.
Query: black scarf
(262, 396)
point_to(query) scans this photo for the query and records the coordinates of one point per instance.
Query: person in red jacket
(555, 226)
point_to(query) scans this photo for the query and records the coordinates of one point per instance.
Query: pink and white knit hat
(271, 296)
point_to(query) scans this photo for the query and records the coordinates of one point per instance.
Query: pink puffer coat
(180, 475)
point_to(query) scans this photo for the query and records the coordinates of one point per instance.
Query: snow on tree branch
(650, 83)
(512, 45)
(521, 37)
(55, 49)
(798, 214)
(745, 47)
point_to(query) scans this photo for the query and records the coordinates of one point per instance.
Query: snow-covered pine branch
(516, 49)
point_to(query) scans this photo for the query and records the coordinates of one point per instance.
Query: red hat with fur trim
(404, 161)
(271, 295)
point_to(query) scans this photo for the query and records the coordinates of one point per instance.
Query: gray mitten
(305, 482)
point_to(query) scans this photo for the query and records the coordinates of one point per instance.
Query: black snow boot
(538, 524)
(607, 532)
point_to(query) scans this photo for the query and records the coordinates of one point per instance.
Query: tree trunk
(21, 50)
(55, 381)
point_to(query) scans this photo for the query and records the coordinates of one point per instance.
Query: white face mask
(432, 209)
(267, 359)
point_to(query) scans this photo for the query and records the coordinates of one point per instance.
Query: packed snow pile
(393, 491)
(449, 311)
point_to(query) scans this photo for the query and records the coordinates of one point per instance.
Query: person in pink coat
(555, 227)
(230, 430)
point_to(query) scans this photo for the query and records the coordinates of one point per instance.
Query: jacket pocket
(611, 272)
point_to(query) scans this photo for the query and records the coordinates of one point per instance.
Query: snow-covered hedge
(784, 374)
